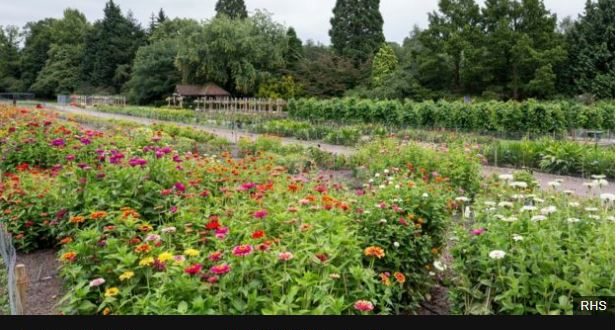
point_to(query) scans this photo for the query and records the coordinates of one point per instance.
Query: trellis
(241, 105)
(95, 100)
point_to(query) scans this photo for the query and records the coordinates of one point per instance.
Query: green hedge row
(532, 117)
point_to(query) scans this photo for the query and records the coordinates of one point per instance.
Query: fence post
(22, 283)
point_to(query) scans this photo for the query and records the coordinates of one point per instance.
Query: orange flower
(374, 251)
(385, 279)
(106, 311)
(128, 212)
(69, 256)
(400, 277)
(143, 248)
(145, 228)
(98, 215)
(66, 240)
(77, 219)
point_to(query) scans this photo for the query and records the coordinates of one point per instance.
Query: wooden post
(21, 280)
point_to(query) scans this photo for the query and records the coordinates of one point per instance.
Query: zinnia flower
(258, 234)
(400, 277)
(497, 254)
(69, 256)
(478, 232)
(126, 276)
(112, 292)
(165, 256)
(220, 269)
(374, 251)
(363, 306)
(146, 261)
(193, 269)
(285, 256)
(260, 214)
(215, 256)
(191, 252)
(242, 250)
(97, 282)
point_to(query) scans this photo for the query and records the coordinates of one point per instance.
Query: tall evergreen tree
(232, 8)
(590, 63)
(110, 48)
(294, 48)
(356, 29)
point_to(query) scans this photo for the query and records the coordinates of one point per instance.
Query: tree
(9, 59)
(235, 54)
(294, 49)
(234, 9)
(110, 47)
(38, 40)
(154, 74)
(590, 45)
(156, 21)
(385, 63)
(356, 29)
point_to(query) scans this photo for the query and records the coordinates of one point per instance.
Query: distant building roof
(209, 89)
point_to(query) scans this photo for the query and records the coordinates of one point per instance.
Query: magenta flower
(57, 142)
(363, 306)
(85, 141)
(247, 186)
(220, 269)
(260, 214)
(179, 187)
(478, 232)
(242, 250)
(70, 157)
(137, 162)
(222, 232)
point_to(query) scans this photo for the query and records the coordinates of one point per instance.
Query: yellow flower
(165, 256)
(146, 261)
(126, 276)
(106, 311)
(111, 292)
(191, 252)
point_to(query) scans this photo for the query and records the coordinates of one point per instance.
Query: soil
(44, 288)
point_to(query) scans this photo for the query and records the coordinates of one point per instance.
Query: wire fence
(9, 258)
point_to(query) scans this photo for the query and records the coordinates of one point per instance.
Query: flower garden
(166, 220)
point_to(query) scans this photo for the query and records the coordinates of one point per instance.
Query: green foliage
(9, 59)
(356, 29)
(295, 50)
(235, 54)
(384, 63)
(231, 8)
(280, 88)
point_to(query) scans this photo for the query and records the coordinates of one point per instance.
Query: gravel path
(574, 184)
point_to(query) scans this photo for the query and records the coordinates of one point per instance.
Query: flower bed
(147, 227)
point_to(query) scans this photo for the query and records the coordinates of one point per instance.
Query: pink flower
(220, 269)
(57, 142)
(292, 209)
(97, 282)
(222, 232)
(193, 269)
(242, 250)
(215, 256)
(70, 157)
(179, 187)
(260, 214)
(247, 186)
(212, 279)
(136, 162)
(478, 232)
(363, 306)
(285, 256)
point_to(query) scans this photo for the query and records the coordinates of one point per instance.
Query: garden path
(44, 288)
(574, 184)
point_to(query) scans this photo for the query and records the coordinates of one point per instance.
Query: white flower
(386, 171)
(505, 177)
(497, 254)
(538, 218)
(462, 199)
(538, 200)
(377, 175)
(510, 219)
(365, 185)
(152, 237)
(439, 265)
(594, 217)
(491, 209)
(517, 237)
(574, 204)
(548, 210)
(517, 196)
(425, 195)
(573, 220)
(598, 177)
(97, 282)
(607, 198)
(168, 230)
(505, 204)
(432, 273)
(382, 186)
(527, 208)
(489, 203)
(396, 244)
(591, 209)
(383, 221)
(519, 184)
(568, 192)
(554, 184)
(397, 186)
(371, 181)
(499, 217)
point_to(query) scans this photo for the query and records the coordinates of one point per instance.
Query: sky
(310, 18)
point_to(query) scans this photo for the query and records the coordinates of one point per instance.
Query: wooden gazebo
(206, 91)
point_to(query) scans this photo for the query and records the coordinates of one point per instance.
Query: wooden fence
(247, 105)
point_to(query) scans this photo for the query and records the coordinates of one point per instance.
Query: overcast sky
(309, 17)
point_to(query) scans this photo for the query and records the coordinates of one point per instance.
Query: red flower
(213, 224)
(215, 256)
(220, 269)
(321, 188)
(193, 269)
(322, 256)
(258, 234)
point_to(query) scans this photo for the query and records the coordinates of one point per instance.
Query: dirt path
(44, 285)
(569, 183)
